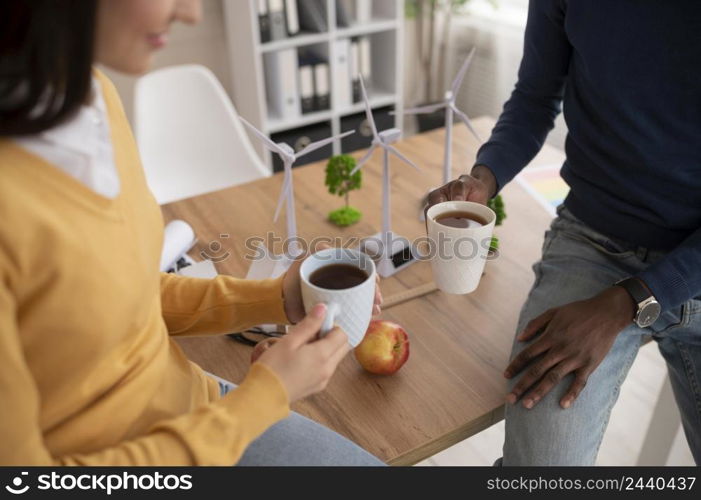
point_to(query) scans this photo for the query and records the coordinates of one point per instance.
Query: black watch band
(636, 289)
(648, 309)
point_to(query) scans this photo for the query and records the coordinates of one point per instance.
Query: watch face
(648, 314)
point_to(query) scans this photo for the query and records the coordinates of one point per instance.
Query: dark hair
(46, 57)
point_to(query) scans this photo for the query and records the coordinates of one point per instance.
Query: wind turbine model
(391, 252)
(451, 110)
(261, 268)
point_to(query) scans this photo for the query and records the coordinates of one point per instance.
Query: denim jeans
(298, 441)
(577, 264)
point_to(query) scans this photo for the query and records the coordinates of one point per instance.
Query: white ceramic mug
(459, 254)
(351, 308)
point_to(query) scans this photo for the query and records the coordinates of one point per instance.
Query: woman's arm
(192, 306)
(214, 434)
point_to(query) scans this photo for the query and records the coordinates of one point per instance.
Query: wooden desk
(452, 386)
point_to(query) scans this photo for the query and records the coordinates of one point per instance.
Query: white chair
(189, 134)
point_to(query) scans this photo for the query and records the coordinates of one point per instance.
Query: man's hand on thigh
(574, 338)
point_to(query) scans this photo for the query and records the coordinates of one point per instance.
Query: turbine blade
(320, 144)
(466, 121)
(364, 159)
(399, 155)
(461, 74)
(368, 109)
(424, 109)
(266, 140)
(284, 192)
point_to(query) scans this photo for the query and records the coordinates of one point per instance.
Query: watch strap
(636, 289)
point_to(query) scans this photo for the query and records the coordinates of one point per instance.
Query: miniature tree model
(497, 205)
(341, 180)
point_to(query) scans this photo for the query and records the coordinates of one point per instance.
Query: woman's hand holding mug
(303, 362)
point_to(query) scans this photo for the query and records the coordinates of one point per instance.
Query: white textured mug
(459, 254)
(351, 308)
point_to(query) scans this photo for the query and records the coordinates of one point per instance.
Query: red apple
(261, 347)
(385, 348)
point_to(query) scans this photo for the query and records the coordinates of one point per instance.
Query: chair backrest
(189, 134)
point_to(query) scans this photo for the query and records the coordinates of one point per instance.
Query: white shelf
(275, 125)
(378, 100)
(295, 41)
(247, 55)
(375, 26)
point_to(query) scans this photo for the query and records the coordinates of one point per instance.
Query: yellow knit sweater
(88, 372)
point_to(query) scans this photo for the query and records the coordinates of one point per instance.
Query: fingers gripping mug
(345, 280)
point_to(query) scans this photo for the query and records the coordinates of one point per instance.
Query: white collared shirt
(81, 147)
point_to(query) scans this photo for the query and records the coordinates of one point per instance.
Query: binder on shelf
(291, 17)
(264, 21)
(281, 69)
(278, 24)
(365, 58)
(363, 139)
(355, 70)
(306, 88)
(300, 137)
(363, 11)
(343, 93)
(312, 15)
(322, 86)
(343, 19)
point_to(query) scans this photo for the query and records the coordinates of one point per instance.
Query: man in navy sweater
(622, 262)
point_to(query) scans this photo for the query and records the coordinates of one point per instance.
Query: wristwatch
(648, 307)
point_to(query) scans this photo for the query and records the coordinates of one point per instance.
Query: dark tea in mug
(461, 220)
(338, 277)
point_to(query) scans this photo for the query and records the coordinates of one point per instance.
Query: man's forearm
(530, 113)
(677, 277)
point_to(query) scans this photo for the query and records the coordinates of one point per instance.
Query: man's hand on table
(572, 339)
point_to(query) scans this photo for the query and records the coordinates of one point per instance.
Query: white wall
(498, 36)
(493, 74)
(203, 44)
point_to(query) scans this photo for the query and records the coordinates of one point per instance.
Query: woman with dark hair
(88, 372)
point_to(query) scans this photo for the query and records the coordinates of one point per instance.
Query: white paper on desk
(178, 238)
(204, 269)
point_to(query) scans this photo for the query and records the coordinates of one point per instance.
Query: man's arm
(677, 277)
(530, 113)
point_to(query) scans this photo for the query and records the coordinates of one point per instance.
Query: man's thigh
(680, 345)
(572, 269)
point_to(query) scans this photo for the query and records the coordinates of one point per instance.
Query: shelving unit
(385, 31)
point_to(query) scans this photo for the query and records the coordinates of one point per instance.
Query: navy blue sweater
(629, 75)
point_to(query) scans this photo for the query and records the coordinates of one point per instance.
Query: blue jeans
(577, 264)
(298, 441)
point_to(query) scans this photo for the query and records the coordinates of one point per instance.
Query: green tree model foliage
(497, 205)
(340, 182)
